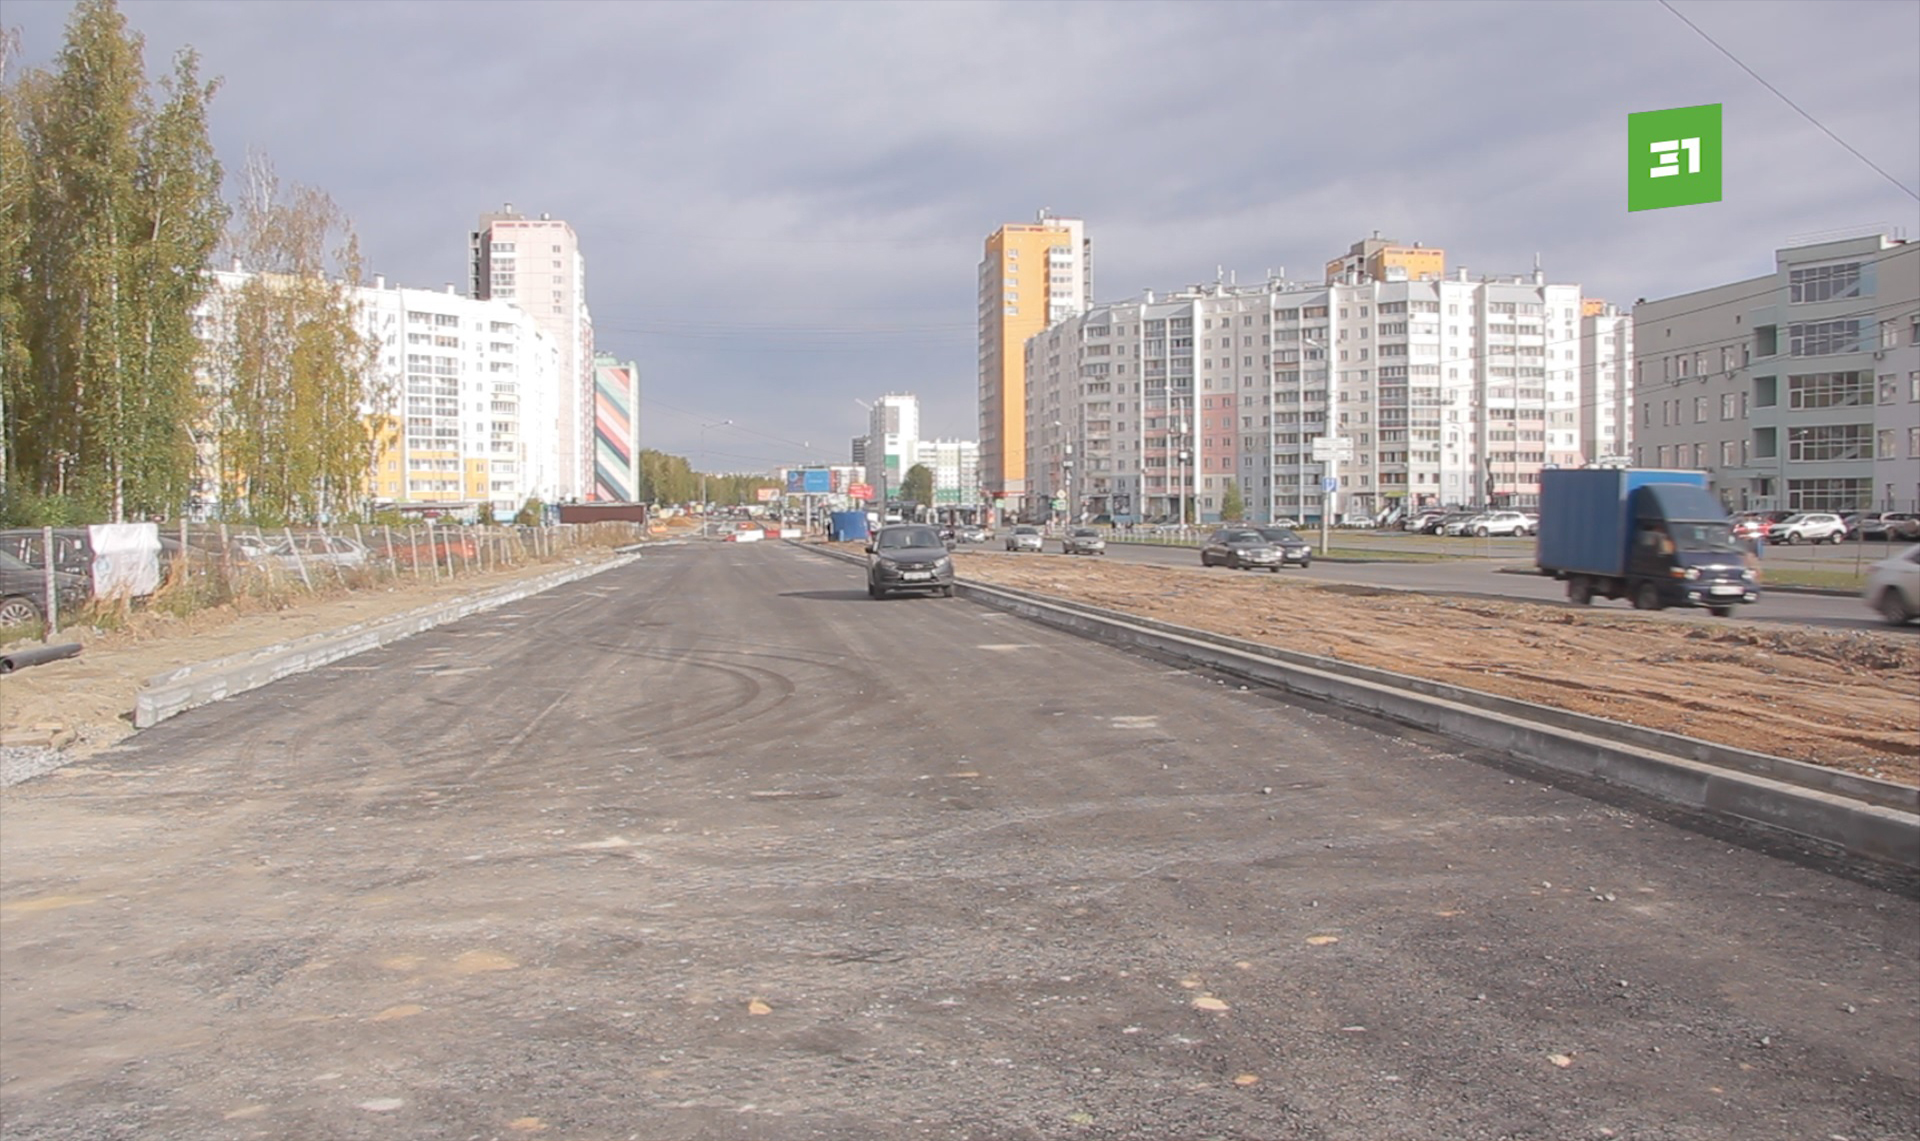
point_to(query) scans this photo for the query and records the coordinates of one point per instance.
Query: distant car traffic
(1083, 541)
(1809, 527)
(909, 558)
(972, 533)
(1024, 538)
(1893, 587)
(1891, 526)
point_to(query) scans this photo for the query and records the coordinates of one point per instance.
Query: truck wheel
(1647, 597)
(1720, 611)
(1580, 590)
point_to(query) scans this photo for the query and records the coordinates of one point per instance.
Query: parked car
(1809, 527)
(1294, 551)
(1893, 587)
(1421, 522)
(1083, 541)
(1498, 523)
(1024, 538)
(73, 551)
(1751, 525)
(1241, 548)
(909, 558)
(1892, 526)
(23, 591)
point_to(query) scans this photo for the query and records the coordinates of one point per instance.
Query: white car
(1494, 523)
(1893, 587)
(1809, 527)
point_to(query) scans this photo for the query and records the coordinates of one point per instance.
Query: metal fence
(204, 565)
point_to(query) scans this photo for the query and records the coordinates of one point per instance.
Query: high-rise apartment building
(956, 471)
(1606, 382)
(1384, 259)
(893, 442)
(536, 264)
(473, 386)
(616, 429)
(1031, 276)
(1452, 391)
(1798, 390)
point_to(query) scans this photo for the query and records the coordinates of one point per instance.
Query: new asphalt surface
(714, 846)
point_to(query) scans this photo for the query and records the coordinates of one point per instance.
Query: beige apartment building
(536, 264)
(1030, 277)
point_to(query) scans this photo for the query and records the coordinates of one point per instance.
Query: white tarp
(126, 559)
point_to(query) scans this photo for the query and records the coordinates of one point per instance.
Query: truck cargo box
(1586, 516)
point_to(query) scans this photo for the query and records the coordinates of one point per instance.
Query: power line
(1783, 98)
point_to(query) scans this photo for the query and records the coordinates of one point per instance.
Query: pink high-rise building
(536, 264)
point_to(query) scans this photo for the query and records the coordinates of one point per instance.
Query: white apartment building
(1797, 390)
(536, 264)
(475, 387)
(1451, 391)
(956, 471)
(1606, 382)
(893, 442)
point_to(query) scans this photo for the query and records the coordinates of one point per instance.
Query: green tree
(667, 478)
(1232, 505)
(295, 377)
(917, 485)
(532, 513)
(109, 209)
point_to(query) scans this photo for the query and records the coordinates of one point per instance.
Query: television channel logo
(1673, 157)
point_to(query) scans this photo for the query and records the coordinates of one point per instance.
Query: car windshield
(914, 537)
(1243, 537)
(1084, 533)
(1025, 531)
(1702, 536)
(1279, 535)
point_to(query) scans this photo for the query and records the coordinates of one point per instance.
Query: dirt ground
(1847, 700)
(86, 703)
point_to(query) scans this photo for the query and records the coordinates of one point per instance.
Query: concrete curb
(176, 691)
(1872, 819)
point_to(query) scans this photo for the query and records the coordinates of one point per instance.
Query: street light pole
(703, 461)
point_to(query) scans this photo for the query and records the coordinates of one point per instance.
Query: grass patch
(1830, 579)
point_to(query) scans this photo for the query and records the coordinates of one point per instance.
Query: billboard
(809, 481)
(766, 494)
(860, 490)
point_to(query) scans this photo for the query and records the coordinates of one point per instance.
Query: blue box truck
(1655, 538)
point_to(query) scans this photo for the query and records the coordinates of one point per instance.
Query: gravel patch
(24, 762)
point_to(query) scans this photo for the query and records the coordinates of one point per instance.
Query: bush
(19, 508)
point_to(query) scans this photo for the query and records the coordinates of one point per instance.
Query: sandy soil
(1847, 700)
(87, 702)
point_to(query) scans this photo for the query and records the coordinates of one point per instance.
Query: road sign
(1333, 448)
(1330, 484)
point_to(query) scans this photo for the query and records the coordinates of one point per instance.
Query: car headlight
(1693, 572)
(943, 563)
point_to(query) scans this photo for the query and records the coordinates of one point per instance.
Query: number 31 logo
(1673, 157)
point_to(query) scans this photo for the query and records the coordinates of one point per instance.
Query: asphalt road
(714, 846)
(1483, 577)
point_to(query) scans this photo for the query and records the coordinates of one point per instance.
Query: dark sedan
(1294, 551)
(1242, 548)
(909, 558)
(23, 592)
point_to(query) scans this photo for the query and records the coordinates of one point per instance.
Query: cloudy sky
(782, 204)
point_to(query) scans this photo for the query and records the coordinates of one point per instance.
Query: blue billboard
(810, 481)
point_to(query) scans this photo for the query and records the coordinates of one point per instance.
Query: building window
(1883, 446)
(1823, 283)
(1823, 338)
(1829, 442)
(1829, 494)
(1830, 390)
(1729, 454)
(1729, 405)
